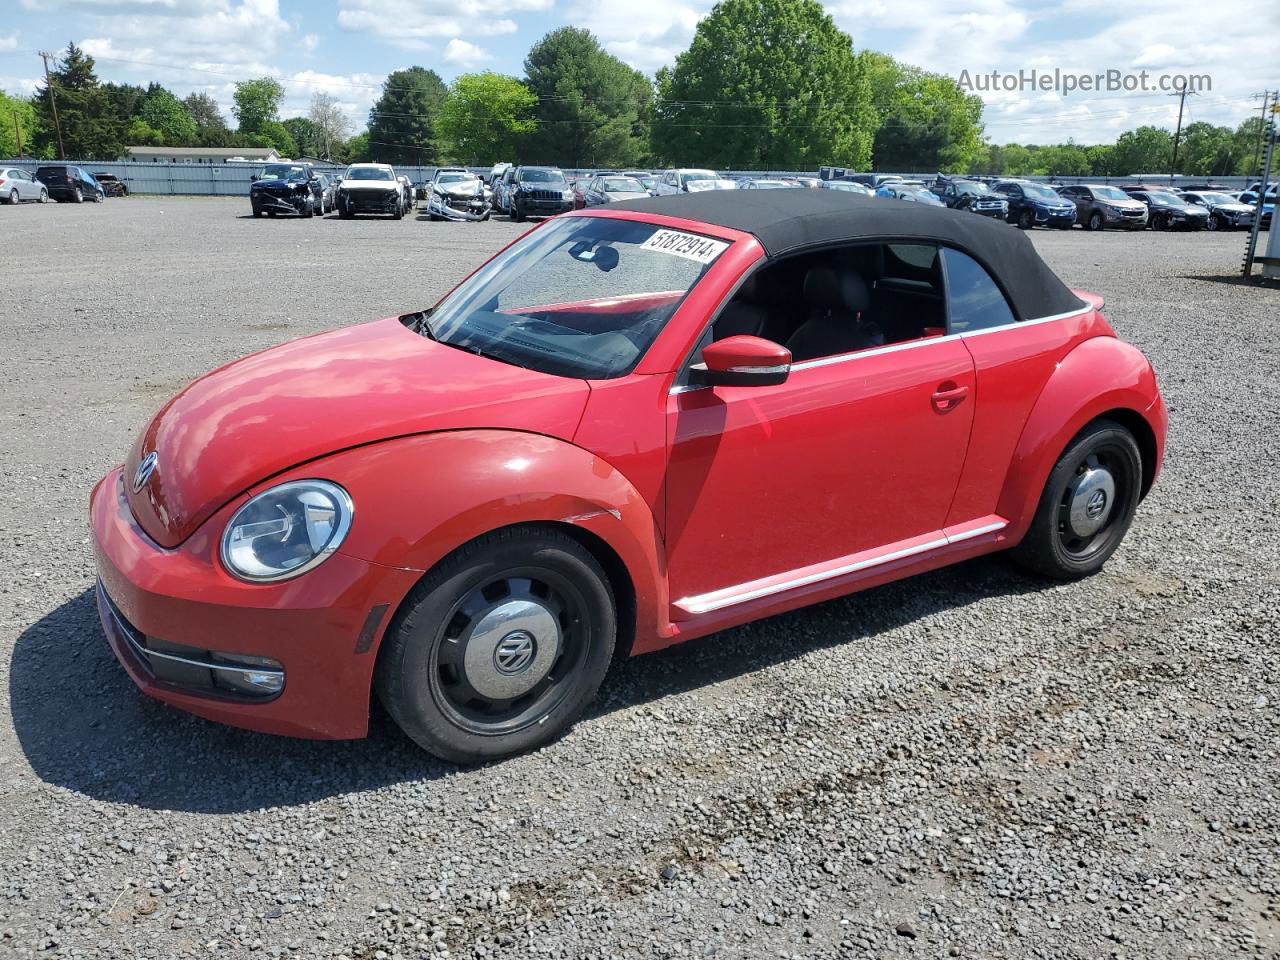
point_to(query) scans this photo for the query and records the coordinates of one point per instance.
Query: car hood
(618, 195)
(245, 422)
(370, 184)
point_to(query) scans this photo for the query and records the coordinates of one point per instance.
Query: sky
(347, 47)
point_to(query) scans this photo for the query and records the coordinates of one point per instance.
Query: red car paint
(855, 471)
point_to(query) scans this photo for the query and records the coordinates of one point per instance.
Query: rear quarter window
(974, 301)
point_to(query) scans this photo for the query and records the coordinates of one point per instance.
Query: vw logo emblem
(145, 469)
(1097, 503)
(514, 653)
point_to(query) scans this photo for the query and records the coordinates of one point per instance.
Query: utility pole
(1269, 132)
(1257, 145)
(1182, 101)
(53, 103)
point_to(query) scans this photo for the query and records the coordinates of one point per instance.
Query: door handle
(948, 396)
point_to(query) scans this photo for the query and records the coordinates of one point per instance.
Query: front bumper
(280, 203)
(1115, 218)
(542, 207)
(369, 201)
(998, 212)
(457, 208)
(322, 628)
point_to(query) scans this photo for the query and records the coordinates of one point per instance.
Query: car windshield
(771, 184)
(283, 171)
(1214, 198)
(1039, 190)
(1110, 193)
(1163, 199)
(622, 185)
(579, 297)
(454, 177)
(698, 175)
(542, 176)
(368, 173)
(977, 189)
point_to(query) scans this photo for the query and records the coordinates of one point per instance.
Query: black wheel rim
(1095, 502)
(508, 651)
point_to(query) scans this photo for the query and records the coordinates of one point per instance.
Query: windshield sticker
(687, 245)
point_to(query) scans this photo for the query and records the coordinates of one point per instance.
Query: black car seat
(837, 302)
(742, 316)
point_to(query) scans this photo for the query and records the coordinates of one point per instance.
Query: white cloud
(9, 43)
(409, 23)
(646, 36)
(464, 54)
(309, 43)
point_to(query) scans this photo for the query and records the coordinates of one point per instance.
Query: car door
(853, 458)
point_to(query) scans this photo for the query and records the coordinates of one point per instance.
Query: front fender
(1102, 375)
(418, 498)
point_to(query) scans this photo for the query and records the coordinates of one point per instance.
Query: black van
(70, 183)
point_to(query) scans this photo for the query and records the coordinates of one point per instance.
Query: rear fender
(1102, 375)
(419, 498)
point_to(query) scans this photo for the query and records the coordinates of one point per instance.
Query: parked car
(457, 195)
(647, 179)
(1250, 197)
(446, 509)
(1166, 211)
(1033, 204)
(577, 187)
(68, 184)
(112, 185)
(286, 188)
(688, 180)
(370, 188)
(763, 183)
(844, 186)
(914, 192)
(809, 183)
(16, 185)
(408, 197)
(961, 194)
(873, 181)
(538, 192)
(1099, 206)
(1225, 213)
(502, 190)
(328, 193)
(612, 188)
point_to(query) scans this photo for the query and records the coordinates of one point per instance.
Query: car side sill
(831, 569)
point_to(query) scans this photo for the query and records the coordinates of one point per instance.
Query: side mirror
(254, 178)
(743, 362)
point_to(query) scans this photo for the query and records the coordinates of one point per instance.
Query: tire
(516, 213)
(1097, 222)
(13, 197)
(257, 211)
(79, 195)
(1215, 223)
(1066, 540)
(485, 218)
(99, 197)
(309, 210)
(398, 213)
(44, 197)
(439, 672)
(1026, 220)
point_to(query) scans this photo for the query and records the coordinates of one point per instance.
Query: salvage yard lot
(971, 763)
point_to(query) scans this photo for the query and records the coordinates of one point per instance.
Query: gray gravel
(971, 763)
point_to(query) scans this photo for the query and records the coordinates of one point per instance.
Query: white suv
(689, 180)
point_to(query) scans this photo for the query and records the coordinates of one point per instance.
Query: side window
(973, 299)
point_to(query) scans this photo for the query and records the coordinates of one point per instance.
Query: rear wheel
(79, 195)
(13, 196)
(1087, 505)
(500, 648)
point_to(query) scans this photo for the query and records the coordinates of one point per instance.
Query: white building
(216, 155)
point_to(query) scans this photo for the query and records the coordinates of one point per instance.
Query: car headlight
(568, 194)
(286, 531)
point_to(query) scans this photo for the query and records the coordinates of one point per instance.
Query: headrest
(824, 286)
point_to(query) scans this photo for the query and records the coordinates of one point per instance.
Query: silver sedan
(17, 185)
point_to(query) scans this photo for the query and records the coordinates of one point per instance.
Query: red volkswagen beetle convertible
(633, 426)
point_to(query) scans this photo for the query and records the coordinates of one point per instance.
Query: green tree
(210, 124)
(257, 105)
(354, 150)
(164, 112)
(126, 99)
(91, 129)
(17, 122)
(1102, 160)
(1250, 144)
(402, 124)
(929, 123)
(591, 110)
(305, 134)
(766, 83)
(1209, 151)
(142, 134)
(484, 117)
(1144, 150)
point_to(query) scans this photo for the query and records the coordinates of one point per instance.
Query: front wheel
(1096, 221)
(1087, 505)
(1026, 220)
(1215, 223)
(501, 647)
(517, 214)
(44, 196)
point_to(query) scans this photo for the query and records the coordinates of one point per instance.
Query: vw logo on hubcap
(145, 469)
(514, 653)
(1097, 503)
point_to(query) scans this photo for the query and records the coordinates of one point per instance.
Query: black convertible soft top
(791, 221)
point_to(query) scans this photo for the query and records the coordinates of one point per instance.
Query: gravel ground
(971, 763)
